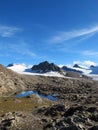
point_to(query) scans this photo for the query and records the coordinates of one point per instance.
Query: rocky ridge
(11, 82)
(66, 69)
(45, 66)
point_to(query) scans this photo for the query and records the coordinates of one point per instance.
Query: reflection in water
(27, 93)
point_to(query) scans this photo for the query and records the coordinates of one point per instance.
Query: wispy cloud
(90, 53)
(68, 35)
(23, 49)
(8, 31)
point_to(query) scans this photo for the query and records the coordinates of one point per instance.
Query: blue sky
(60, 31)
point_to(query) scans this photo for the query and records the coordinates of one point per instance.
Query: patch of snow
(84, 70)
(18, 67)
(23, 69)
(52, 74)
(93, 76)
(61, 65)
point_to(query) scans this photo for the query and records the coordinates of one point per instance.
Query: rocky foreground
(75, 109)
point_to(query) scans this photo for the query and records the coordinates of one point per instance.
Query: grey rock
(46, 67)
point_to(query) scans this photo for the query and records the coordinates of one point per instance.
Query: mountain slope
(17, 67)
(10, 81)
(65, 68)
(94, 69)
(50, 69)
(45, 66)
(78, 69)
(43, 69)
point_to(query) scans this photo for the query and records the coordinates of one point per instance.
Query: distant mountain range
(51, 69)
(65, 68)
(44, 68)
(81, 69)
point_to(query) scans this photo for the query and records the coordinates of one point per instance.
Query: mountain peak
(10, 65)
(69, 69)
(44, 63)
(76, 66)
(45, 66)
(92, 66)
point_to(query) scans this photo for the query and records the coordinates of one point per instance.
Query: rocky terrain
(9, 81)
(76, 107)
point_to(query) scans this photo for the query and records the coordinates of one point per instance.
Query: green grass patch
(10, 104)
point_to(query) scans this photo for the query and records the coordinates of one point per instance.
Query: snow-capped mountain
(94, 69)
(45, 66)
(78, 69)
(50, 69)
(86, 70)
(77, 66)
(91, 71)
(41, 69)
(69, 69)
(18, 67)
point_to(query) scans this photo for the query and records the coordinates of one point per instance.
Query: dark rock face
(46, 67)
(72, 110)
(10, 65)
(92, 66)
(5, 124)
(94, 69)
(76, 66)
(65, 68)
(55, 110)
(93, 128)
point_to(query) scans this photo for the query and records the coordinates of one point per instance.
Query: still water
(27, 93)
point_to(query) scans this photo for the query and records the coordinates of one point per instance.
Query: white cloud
(8, 31)
(22, 48)
(90, 53)
(27, 52)
(64, 36)
(89, 63)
